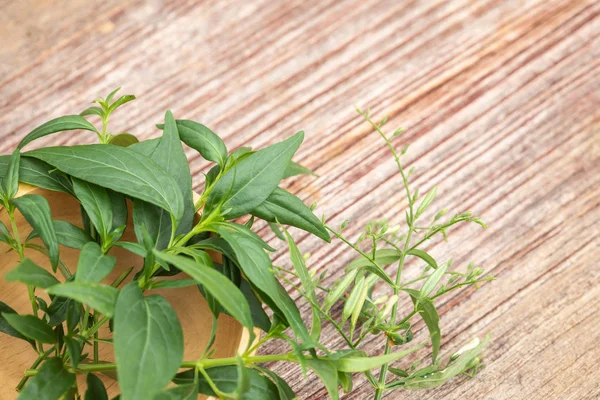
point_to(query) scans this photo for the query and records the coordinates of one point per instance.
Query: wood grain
(499, 98)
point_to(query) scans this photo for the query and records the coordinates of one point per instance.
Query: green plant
(147, 336)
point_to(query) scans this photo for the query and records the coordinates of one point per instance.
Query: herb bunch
(154, 177)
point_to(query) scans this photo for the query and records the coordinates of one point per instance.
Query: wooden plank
(500, 105)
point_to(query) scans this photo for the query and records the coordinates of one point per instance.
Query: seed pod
(339, 289)
(397, 339)
(353, 300)
(387, 309)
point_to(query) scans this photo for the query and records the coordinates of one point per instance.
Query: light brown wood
(499, 98)
(191, 308)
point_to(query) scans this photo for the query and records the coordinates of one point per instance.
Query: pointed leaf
(423, 256)
(283, 207)
(362, 364)
(95, 388)
(327, 372)
(30, 273)
(101, 298)
(226, 379)
(37, 173)
(148, 343)
(251, 181)
(257, 267)
(31, 327)
(36, 211)
(93, 266)
(182, 392)
(10, 180)
(5, 327)
(428, 312)
(203, 140)
(432, 281)
(97, 204)
(66, 123)
(70, 235)
(295, 169)
(118, 168)
(221, 288)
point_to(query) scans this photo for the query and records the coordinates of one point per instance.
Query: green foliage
(153, 179)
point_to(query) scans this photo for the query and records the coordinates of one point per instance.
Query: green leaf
(50, 383)
(101, 298)
(95, 388)
(94, 110)
(168, 154)
(70, 235)
(30, 273)
(31, 327)
(226, 379)
(37, 173)
(123, 140)
(148, 343)
(174, 284)
(93, 266)
(5, 327)
(146, 147)
(66, 123)
(97, 205)
(283, 207)
(203, 140)
(284, 390)
(118, 168)
(382, 257)
(10, 180)
(244, 231)
(243, 377)
(111, 95)
(307, 283)
(135, 248)
(327, 372)
(36, 211)
(435, 379)
(423, 256)
(245, 186)
(257, 267)
(74, 349)
(432, 281)
(221, 288)
(430, 315)
(182, 392)
(120, 101)
(362, 364)
(294, 169)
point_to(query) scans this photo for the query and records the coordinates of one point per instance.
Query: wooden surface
(501, 104)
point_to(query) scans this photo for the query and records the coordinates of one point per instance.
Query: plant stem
(35, 364)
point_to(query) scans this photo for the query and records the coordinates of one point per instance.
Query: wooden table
(501, 104)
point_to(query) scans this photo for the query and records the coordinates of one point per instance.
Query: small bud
(344, 224)
(397, 132)
(313, 272)
(313, 206)
(383, 121)
(380, 300)
(396, 339)
(440, 214)
(466, 214)
(469, 346)
(306, 256)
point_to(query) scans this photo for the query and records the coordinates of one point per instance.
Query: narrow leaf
(37, 173)
(251, 181)
(118, 168)
(97, 205)
(294, 169)
(36, 211)
(10, 181)
(66, 123)
(327, 372)
(30, 273)
(101, 298)
(31, 327)
(226, 379)
(203, 140)
(423, 256)
(5, 327)
(432, 281)
(182, 392)
(428, 312)
(362, 364)
(221, 288)
(283, 207)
